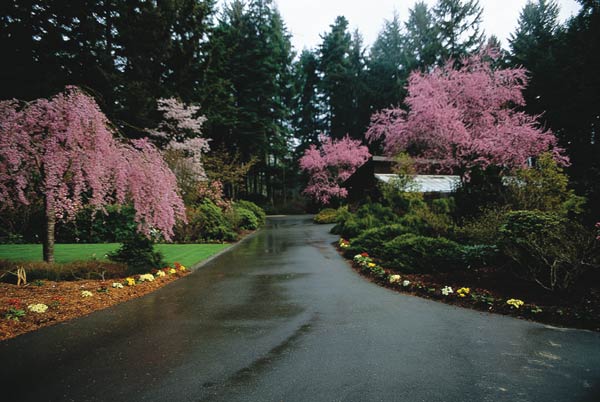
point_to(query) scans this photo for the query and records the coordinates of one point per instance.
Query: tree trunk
(48, 246)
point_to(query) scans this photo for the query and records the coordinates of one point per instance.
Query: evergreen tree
(388, 66)
(422, 43)
(459, 31)
(575, 111)
(127, 53)
(307, 110)
(248, 89)
(534, 46)
(336, 76)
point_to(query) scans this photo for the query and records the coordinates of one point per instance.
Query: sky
(308, 19)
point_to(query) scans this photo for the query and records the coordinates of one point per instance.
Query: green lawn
(186, 254)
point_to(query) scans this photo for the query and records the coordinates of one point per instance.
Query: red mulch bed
(65, 301)
(490, 288)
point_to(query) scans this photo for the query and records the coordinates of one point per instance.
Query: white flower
(395, 278)
(86, 293)
(117, 285)
(405, 283)
(38, 308)
(447, 290)
(146, 278)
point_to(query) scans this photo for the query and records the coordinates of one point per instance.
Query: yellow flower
(516, 303)
(371, 264)
(172, 271)
(395, 278)
(182, 268)
(146, 278)
(462, 292)
(130, 281)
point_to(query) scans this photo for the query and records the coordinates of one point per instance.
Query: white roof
(427, 183)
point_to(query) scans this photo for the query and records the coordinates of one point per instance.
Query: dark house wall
(362, 185)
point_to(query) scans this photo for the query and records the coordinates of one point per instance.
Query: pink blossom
(63, 151)
(465, 117)
(178, 124)
(331, 165)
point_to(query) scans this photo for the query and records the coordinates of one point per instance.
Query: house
(364, 183)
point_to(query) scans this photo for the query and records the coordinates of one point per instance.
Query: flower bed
(43, 303)
(486, 290)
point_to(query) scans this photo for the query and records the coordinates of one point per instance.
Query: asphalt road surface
(283, 318)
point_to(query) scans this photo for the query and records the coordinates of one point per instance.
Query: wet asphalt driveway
(283, 318)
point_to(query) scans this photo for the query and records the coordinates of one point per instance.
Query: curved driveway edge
(282, 317)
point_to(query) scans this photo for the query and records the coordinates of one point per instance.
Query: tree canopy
(465, 117)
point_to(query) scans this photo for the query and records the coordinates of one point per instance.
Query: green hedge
(372, 240)
(256, 210)
(420, 254)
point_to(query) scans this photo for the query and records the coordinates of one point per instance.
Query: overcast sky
(307, 19)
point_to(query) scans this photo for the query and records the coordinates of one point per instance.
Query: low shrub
(212, 223)
(260, 214)
(62, 272)
(548, 249)
(480, 255)
(206, 222)
(544, 187)
(372, 240)
(245, 219)
(138, 253)
(425, 222)
(484, 228)
(420, 254)
(350, 225)
(327, 215)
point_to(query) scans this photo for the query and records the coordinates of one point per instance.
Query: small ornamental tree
(332, 164)
(179, 133)
(61, 152)
(465, 117)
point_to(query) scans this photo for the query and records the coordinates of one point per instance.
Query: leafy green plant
(479, 255)
(245, 219)
(372, 240)
(256, 210)
(483, 228)
(548, 249)
(413, 253)
(15, 314)
(367, 216)
(207, 223)
(545, 187)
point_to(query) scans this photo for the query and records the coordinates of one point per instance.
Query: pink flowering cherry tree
(465, 117)
(330, 165)
(62, 152)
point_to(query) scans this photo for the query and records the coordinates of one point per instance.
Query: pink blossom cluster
(330, 165)
(465, 117)
(62, 151)
(178, 117)
(180, 121)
